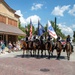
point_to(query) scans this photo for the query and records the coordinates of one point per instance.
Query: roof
(9, 29)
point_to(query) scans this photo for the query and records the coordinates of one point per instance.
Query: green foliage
(23, 29)
(74, 40)
(74, 36)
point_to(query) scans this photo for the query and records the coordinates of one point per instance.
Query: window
(2, 19)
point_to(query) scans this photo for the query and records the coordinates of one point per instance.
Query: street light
(55, 24)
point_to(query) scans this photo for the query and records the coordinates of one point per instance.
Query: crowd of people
(11, 46)
(16, 45)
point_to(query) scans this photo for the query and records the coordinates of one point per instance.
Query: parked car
(63, 42)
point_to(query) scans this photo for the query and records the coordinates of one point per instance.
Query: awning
(9, 29)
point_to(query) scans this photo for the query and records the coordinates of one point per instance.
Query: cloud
(73, 26)
(36, 6)
(25, 21)
(59, 11)
(66, 29)
(72, 11)
(34, 19)
(22, 19)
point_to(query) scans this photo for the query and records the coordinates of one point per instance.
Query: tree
(74, 36)
(22, 28)
(19, 24)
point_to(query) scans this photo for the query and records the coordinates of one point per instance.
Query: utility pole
(55, 24)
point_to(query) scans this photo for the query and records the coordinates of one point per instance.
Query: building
(9, 30)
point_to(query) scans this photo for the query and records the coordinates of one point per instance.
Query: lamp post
(55, 24)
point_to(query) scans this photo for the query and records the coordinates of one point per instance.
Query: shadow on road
(40, 57)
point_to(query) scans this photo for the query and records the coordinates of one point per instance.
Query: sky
(44, 10)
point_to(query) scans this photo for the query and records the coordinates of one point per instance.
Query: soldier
(34, 38)
(41, 39)
(58, 38)
(49, 38)
(26, 38)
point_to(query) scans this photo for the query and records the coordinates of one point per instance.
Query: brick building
(9, 30)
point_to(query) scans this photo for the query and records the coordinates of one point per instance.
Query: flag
(30, 28)
(41, 29)
(51, 30)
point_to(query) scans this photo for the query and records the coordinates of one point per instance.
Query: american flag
(30, 28)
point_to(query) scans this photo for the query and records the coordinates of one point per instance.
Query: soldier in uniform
(34, 38)
(41, 39)
(58, 39)
(49, 38)
(26, 39)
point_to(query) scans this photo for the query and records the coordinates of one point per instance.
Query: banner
(41, 29)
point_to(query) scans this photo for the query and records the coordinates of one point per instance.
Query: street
(19, 54)
(13, 64)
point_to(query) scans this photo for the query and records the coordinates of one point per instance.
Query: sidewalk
(5, 52)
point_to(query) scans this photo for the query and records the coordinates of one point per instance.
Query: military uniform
(26, 38)
(69, 40)
(58, 38)
(34, 38)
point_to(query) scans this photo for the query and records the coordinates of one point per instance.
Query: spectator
(10, 47)
(14, 46)
(2, 46)
(18, 45)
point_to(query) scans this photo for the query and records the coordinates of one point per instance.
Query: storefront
(9, 21)
(9, 33)
(6, 38)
